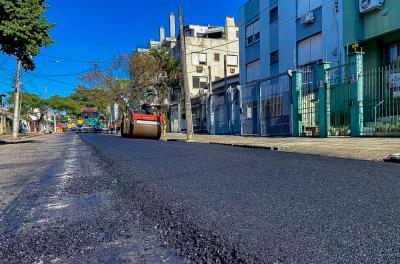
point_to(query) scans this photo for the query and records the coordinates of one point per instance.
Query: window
(253, 32)
(199, 58)
(274, 57)
(232, 60)
(216, 57)
(309, 50)
(392, 54)
(304, 6)
(253, 71)
(199, 82)
(273, 15)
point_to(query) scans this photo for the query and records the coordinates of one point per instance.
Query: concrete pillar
(324, 99)
(297, 126)
(357, 94)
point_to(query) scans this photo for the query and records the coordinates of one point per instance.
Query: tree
(24, 29)
(154, 74)
(29, 102)
(63, 104)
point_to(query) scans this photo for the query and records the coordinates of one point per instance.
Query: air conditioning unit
(369, 5)
(307, 18)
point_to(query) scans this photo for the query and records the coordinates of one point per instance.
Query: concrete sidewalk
(8, 138)
(375, 149)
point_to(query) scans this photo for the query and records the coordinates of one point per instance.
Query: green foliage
(154, 74)
(70, 106)
(98, 97)
(24, 29)
(29, 102)
(388, 127)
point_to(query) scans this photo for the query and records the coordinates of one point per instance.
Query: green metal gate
(309, 102)
(338, 89)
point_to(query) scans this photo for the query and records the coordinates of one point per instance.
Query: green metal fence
(346, 100)
(382, 101)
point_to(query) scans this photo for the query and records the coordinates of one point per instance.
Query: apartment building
(208, 50)
(277, 36)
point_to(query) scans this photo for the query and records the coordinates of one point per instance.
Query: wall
(204, 45)
(374, 29)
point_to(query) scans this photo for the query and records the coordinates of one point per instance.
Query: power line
(264, 30)
(73, 60)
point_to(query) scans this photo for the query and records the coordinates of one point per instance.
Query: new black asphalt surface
(220, 204)
(58, 204)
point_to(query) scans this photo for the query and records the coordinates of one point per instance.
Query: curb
(394, 158)
(245, 146)
(274, 148)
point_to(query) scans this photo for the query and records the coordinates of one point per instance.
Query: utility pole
(17, 85)
(209, 100)
(227, 98)
(188, 102)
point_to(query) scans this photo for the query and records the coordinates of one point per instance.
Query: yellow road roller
(142, 123)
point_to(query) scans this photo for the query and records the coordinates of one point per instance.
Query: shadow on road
(17, 142)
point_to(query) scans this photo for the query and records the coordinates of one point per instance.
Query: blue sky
(96, 30)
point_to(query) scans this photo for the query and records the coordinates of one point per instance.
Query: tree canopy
(24, 29)
(67, 104)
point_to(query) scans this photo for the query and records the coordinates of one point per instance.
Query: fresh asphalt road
(106, 199)
(222, 204)
(58, 204)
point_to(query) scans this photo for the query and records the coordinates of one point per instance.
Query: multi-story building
(208, 50)
(277, 36)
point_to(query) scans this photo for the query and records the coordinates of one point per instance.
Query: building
(373, 31)
(208, 50)
(375, 25)
(277, 36)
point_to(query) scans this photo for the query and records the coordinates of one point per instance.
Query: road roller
(142, 123)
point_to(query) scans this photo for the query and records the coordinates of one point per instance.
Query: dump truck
(141, 122)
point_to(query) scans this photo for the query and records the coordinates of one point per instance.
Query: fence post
(324, 99)
(296, 102)
(357, 94)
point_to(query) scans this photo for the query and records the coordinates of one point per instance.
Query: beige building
(208, 50)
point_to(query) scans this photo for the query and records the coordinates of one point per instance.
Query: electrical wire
(261, 31)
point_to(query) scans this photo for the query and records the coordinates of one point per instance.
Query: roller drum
(146, 129)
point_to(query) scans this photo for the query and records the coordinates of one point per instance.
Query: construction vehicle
(141, 122)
